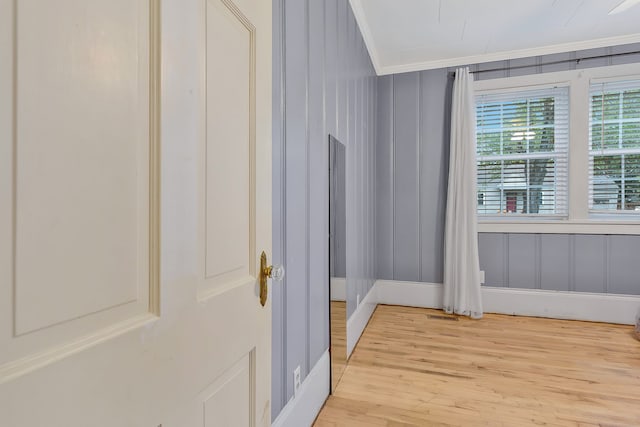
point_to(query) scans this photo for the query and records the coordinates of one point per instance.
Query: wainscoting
(561, 262)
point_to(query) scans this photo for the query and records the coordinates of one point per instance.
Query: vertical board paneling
(433, 172)
(529, 65)
(590, 263)
(583, 263)
(522, 261)
(331, 65)
(318, 193)
(296, 187)
(406, 183)
(623, 264)
(384, 178)
(493, 261)
(554, 262)
(321, 70)
(627, 59)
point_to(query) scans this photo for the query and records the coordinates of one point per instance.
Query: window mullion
(579, 150)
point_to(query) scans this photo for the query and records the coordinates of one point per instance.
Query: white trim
(409, 294)
(365, 31)
(338, 289)
(560, 227)
(497, 56)
(302, 410)
(359, 319)
(622, 309)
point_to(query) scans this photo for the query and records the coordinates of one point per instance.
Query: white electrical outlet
(296, 380)
(482, 277)
(358, 301)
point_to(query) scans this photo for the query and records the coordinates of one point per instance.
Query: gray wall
(324, 84)
(412, 166)
(562, 262)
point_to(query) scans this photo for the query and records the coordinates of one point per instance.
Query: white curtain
(461, 264)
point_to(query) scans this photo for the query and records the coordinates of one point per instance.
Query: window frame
(530, 155)
(579, 220)
(608, 151)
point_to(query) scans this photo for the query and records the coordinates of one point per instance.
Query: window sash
(511, 195)
(612, 120)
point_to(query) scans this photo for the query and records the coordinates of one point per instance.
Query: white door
(135, 200)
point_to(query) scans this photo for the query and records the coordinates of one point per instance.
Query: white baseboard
(622, 309)
(409, 294)
(609, 308)
(303, 409)
(359, 319)
(338, 289)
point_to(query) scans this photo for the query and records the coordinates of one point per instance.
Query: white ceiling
(409, 35)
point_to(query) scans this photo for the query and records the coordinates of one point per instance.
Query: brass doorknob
(268, 272)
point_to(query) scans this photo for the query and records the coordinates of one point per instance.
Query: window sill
(583, 226)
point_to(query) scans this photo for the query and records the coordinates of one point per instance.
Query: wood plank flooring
(338, 341)
(414, 367)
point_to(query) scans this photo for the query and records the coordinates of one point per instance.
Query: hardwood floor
(417, 367)
(338, 341)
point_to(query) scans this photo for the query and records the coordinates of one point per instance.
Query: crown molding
(385, 69)
(513, 54)
(365, 30)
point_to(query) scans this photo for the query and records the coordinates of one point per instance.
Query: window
(614, 146)
(559, 152)
(522, 149)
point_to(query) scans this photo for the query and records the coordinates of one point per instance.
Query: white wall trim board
(359, 319)
(500, 56)
(302, 410)
(409, 294)
(338, 289)
(621, 309)
(365, 30)
(385, 69)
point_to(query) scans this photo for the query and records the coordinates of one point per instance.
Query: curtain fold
(461, 263)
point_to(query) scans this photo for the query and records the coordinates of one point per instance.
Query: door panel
(59, 137)
(230, 148)
(128, 286)
(219, 407)
(76, 230)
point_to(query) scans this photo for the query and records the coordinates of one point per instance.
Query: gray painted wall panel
(433, 171)
(589, 267)
(297, 144)
(522, 261)
(628, 59)
(331, 65)
(624, 265)
(318, 191)
(321, 70)
(406, 182)
(494, 261)
(384, 178)
(555, 262)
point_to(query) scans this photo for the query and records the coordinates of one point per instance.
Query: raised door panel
(229, 169)
(220, 399)
(76, 233)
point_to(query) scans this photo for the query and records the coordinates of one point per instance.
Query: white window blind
(522, 152)
(614, 146)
